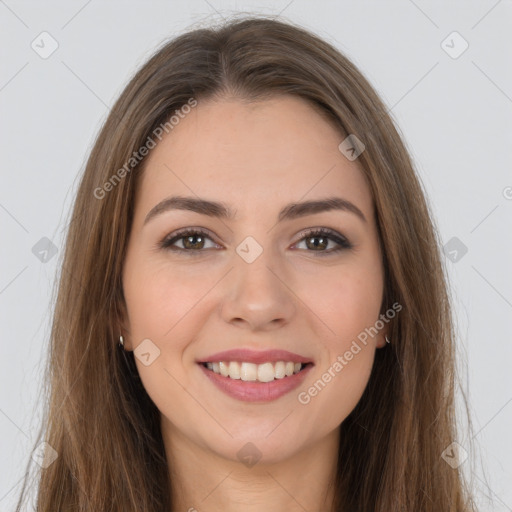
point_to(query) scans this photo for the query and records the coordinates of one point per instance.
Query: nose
(258, 295)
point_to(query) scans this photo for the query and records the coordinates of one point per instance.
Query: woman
(253, 312)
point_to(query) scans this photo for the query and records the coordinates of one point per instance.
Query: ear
(123, 325)
(125, 333)
(381, 337)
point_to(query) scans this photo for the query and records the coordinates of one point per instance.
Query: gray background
(454, 114)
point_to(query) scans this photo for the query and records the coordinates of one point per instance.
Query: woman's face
(254, 281)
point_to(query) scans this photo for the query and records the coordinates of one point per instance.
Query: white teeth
(223, 368)
(234, 370)
(250, 372)
(266, 372)
(279, 369)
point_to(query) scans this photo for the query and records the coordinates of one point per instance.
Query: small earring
(121, 341)
(387, 339)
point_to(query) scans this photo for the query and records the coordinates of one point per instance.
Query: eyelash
(343, 243)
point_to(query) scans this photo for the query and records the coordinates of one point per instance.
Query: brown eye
(192, 241)
(318, 241)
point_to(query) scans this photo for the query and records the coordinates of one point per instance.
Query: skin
(256, 158)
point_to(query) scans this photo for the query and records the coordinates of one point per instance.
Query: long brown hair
(98, 417)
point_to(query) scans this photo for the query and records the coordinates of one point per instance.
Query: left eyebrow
(222, 211)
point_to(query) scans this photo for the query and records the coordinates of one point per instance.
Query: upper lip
(257, 357)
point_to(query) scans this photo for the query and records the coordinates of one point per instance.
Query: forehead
(252, 155)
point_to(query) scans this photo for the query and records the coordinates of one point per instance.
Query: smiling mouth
(251, 372)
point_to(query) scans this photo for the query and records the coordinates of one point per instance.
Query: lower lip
(253, 391)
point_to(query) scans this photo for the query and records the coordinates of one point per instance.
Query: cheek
(348, 380)
(358, 309)
(160, 306)
(347, 300)
(337, 387)
(163, 306)
(341, 377)
(349, 305)
(159, 299)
